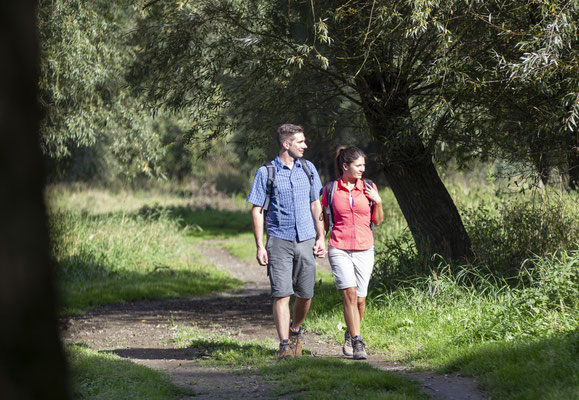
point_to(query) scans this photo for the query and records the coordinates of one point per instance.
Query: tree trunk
(32, 363)
(429, 210)
(431, 215)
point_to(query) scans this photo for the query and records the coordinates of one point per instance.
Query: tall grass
(504, 231)
(444, 319)
(120, 256)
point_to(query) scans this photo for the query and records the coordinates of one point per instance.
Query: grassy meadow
(510, 318)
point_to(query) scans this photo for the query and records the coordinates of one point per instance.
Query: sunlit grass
(243, 246)
(225, 349)
(324, 378)
(125, 255)
(94, 200)
(101, 375)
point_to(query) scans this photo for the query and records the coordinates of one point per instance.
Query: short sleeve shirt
(352, 216)
(293, 186)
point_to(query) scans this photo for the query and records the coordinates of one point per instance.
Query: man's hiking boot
(294, 338)
(359, 348)
(286, 350)
(347, 347)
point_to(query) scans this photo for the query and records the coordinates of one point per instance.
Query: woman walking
(353, 206)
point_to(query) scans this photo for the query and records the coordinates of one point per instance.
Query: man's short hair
(286, 131)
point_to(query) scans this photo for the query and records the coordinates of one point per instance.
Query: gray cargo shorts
(291, 268)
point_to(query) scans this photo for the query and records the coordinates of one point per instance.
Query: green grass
(224, 349)
(465, 320)
(536, 369)
(243, 246)
(101, 375)
(333, 379)
(120, 257)
(144, 252)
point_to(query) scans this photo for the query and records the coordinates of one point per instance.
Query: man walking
(285, 198)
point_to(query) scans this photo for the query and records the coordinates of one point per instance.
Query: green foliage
(537, 369)
(523, 78)
(504, 230)
(507, 232)
(94, 128)
(98, 375)
(519, 336)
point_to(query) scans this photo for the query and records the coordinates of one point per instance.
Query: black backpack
(272, 187)
(330, 189)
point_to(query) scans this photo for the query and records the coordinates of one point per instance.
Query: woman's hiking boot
(347, 347)
(295, 340)
(359, 348)
(286, 350)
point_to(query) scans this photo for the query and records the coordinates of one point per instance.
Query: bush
(506, 233)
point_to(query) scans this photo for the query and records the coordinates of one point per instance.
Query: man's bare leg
(281, 316)
(301, 308)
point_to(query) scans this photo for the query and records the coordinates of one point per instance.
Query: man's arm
(317, 214)
(258, 222)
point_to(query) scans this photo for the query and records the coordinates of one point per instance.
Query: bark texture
(32, 363)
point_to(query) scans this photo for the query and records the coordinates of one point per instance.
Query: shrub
(506, 233)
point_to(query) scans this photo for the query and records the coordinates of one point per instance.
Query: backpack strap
(271, 187)
(330, 189)
(371, 184)
(308, 171)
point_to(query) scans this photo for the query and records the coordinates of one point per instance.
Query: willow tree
(92, 126)
(383, 67)
(530, 84)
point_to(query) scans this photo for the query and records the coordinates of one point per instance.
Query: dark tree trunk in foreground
(32, 363)
(429, 210)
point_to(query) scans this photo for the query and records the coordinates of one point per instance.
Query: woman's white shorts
(352, 268)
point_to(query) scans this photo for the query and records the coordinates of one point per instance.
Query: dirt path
(143, 332)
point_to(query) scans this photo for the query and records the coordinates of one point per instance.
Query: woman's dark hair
(347, 155)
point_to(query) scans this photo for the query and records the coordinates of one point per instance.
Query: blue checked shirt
(293, 187)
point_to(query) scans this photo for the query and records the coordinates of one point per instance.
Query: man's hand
(320, 247)
(262, 256)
